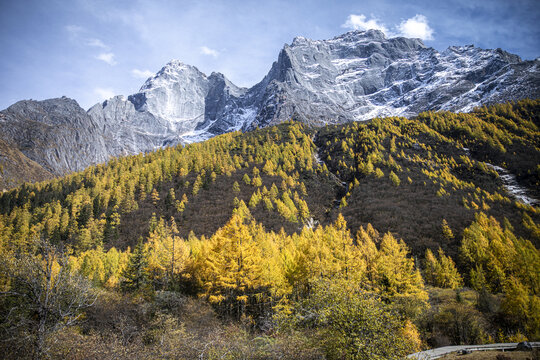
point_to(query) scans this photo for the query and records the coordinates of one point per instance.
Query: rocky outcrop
(56, 133)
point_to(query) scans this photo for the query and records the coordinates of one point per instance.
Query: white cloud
(207, 51)
(141, 74)
(107, 57)
(360, 22)
(104, 93)
(416, 27)
(96, 43)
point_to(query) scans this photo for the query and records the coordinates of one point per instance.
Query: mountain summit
(355, 76)
(168, 109)
(352, 77)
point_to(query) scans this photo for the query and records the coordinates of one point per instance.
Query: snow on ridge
(351, 77)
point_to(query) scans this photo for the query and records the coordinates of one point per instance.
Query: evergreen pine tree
(135, 275)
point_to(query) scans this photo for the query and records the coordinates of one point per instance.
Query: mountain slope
(234, 221)
(16, 168)
(287, 178)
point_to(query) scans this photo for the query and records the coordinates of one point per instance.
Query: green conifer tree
(135, 276)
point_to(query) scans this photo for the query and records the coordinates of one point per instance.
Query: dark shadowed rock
(524, 346)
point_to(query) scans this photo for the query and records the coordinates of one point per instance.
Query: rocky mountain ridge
(57, 134)
(352, 77)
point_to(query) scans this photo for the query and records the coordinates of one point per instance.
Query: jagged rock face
(354, 76)
(130, 131)
(362, 75)
(176, 94)
(56, 133)
(177, 105)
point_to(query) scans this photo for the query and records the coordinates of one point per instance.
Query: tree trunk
(39, 345)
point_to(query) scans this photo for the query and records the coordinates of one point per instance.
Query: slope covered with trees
(292, 232)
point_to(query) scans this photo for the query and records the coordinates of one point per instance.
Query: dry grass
(171, 326)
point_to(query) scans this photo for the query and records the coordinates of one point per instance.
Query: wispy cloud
(104, 93)
(416, 27)
(81, 37)
(360, 22)
(205, 50)
(96, 43)
(141, 74)
(107, 57)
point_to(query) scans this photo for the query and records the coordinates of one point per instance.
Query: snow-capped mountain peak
(354, 76)
(173, 72)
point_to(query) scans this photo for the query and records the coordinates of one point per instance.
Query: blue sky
(90, 50)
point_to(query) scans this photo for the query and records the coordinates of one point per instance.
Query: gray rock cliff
(56, 133)
(352, 77)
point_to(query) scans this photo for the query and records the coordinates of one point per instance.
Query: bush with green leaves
(351, 323)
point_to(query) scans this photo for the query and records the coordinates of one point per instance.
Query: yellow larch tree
(396, 272)
(231, 271)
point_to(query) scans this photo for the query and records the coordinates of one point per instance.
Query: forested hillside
(361, 241)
